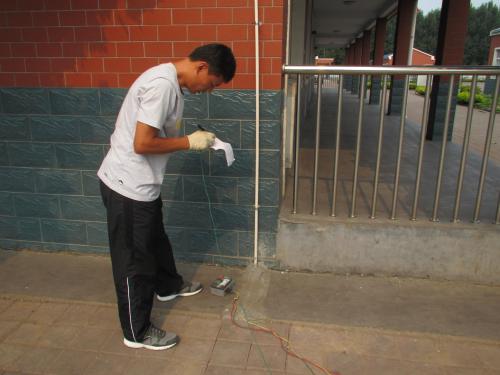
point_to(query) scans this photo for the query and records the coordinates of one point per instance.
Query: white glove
(201, 140)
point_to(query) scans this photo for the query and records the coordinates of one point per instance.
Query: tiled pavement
(65, 337)
(55, 321)
(479, 126)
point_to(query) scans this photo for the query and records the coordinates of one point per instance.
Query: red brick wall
(108, 43)
(494, 43)
(420, 58)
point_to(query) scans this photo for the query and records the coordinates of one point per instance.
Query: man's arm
(147, 141)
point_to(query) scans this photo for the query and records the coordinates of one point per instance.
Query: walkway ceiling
(336, 23)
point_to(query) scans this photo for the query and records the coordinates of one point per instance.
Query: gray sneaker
(188, 289)
(154, 339)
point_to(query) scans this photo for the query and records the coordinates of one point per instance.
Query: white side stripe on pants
(130, 311)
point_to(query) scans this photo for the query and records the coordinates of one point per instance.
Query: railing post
(337, 147)
(425, 116)
(486, 154)
(465, 149)
(298, 111)
(316, 149)
(435, 209)
(358, 146)
(402, 124)
(379, 147)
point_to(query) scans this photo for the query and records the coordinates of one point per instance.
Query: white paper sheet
(228, 150)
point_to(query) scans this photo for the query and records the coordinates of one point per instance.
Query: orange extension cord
(285, 345)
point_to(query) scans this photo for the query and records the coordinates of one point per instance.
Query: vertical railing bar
(297, 143)
(423, 128)
(402, 124)
(379, 146)
(486, 154)
(316, 149)
(358, 146)
(465, 148)
(443, 151)
(337, 147)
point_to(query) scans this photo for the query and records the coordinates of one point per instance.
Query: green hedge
(369, 84)
(420, 90)
(481, 100)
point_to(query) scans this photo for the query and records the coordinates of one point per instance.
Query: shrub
(413, 85)
(463, 97)
(480, 98)
(466, 88)
(420, 90)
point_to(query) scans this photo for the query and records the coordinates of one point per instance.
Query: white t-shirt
(155, 99)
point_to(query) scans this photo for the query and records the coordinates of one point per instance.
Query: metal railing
(335, 77)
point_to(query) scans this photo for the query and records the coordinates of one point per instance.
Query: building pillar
(403, 45)
(358, 50)
(348, 55)
(365, 52)
(365, 47)
(348, 78)
(450, 51)
(378, 58)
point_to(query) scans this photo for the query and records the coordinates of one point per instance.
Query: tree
(426, 31)
(390, 33)
(481, 21)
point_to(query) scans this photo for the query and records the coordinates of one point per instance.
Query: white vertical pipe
(412, 33)
(285, 99)
(257, 132)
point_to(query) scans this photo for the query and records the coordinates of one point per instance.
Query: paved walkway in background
(479, 126)
(58, 316)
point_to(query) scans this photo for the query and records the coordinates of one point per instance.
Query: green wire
(256, 343)
(209, 205)
(218, 251)
(259, 348)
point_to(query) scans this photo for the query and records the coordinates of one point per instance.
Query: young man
(146, 132)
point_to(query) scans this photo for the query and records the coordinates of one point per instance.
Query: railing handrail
(416, 70)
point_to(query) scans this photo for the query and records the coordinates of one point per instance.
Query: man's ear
(201, 65)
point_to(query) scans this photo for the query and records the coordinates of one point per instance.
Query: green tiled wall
(438, 116)
(52, 142)
(396, 98)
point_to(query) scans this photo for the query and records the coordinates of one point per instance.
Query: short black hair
(219, 57)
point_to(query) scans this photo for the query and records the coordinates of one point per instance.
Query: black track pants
(141, 257)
